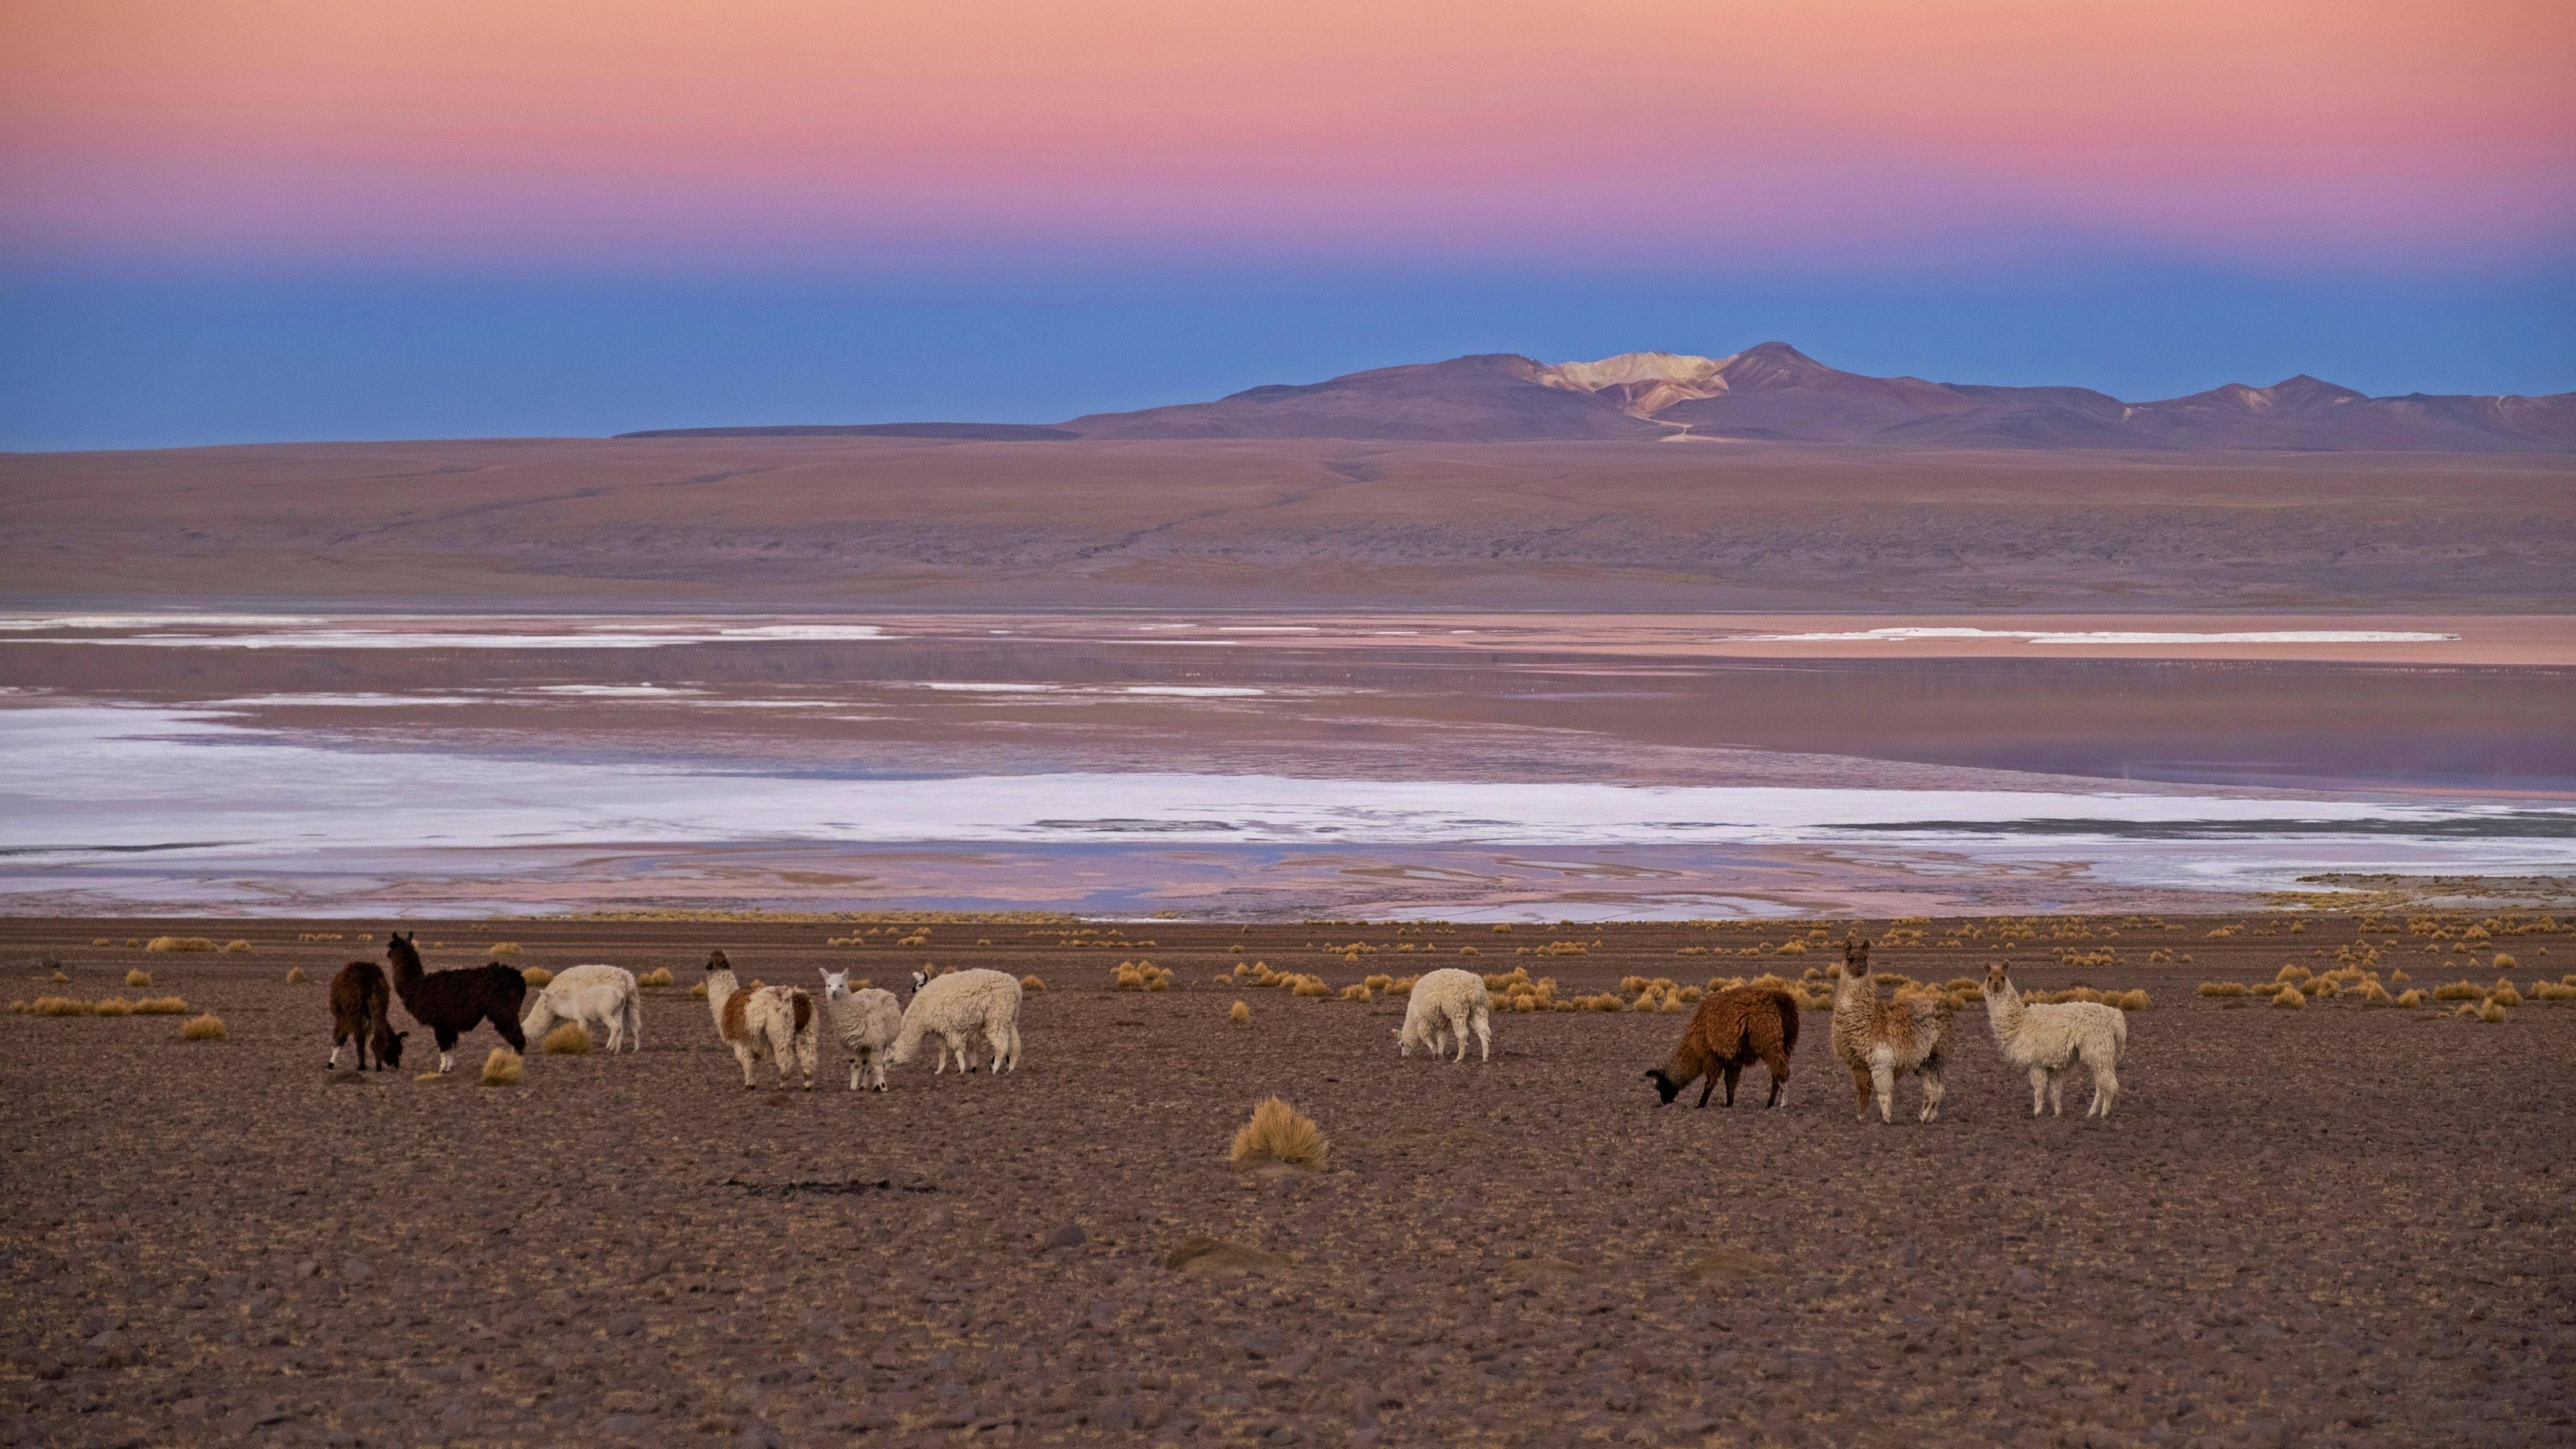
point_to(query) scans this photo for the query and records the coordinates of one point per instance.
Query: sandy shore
(2291, 1231)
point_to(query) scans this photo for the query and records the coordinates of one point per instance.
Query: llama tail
(2119, 1037)
(1788, 1011)
(634, 1021)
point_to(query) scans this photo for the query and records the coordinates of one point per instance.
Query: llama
(452, 1003)
(777, 1022)
(1731, 1030)
(602, 998)
(867, 1022)
(1447, 1003)
(952, 1007)
(2046, 1039)
(1883, 1040)
(359, 1003)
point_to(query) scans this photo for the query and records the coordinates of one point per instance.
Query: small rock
(1070, 1235)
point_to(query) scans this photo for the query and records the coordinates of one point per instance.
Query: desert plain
(2341, 1224)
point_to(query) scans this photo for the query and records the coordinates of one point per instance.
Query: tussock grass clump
(179, 943)
(138, 978)
(2410, 998)
(1239, 1013)
(237, 948)
(295, 976)
(2374, 994)
(572, 1039)
(538, 978)
(1356, 991)
(1032, 982)
(161, 1006)
(2552, 991)
(2458, 991)
(52, 1006)
(2222, 988)
(208, 1027)
(112, 1006)
(2136, 1000)
(2505, 995)
(501, 1068)
(698, 991)
(317, 935)
(505, 948)
(1142, 976)
(2289, 998)
(1312, 987)
(1280, 1133)
(2294, 973)
(102, 940)
(2504, 961)
(658, 976)
(2491, 1013)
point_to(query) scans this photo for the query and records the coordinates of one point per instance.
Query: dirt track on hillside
(2342, 1225)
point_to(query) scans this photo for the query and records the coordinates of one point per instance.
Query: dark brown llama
(1731, 1031)
(452, 1003)
(359, 1003)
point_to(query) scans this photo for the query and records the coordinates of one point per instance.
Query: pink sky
(2358, 132)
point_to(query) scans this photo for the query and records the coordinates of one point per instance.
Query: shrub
(658, 976)
(2128, 1000)
(161, 1006)
(112, 1006)
(1356, 991)
(180, 943)
(208, 1027)
(295, 976)
(2491, 1013)
(2374, 994)
(138, 977)
(237, 948)
(501, 1068)
(1239, 1013)
(698, 992)
(505, 948)
(1280, 1133)
(2222, 988)
(572, 1039)
(103, 941)
(538, 978)
(2410, 999)
(2552, 991)
(2294, 973)
(2457, 991)
(2505, 995)
(1312, 987)
(2290, 997)
(1032, 982)
(58, 1006)
(2504, 961)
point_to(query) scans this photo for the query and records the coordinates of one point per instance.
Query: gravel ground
(2342, 1225)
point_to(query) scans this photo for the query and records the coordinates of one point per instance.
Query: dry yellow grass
(138, 977)
(2458, 991)
(698, 992)
(501, 1068)
(2504, 961)
(179, 943)
(112, 1006)
(2222, 988)
(161, 1006)
(237, 948)
(295, 976)
(1312, 987)
(658, 976)
(208, 1027)
(2374, 994)
(2410, 999)
(2289, 997)
(538, 978)
(1356, 991)
(572, 1039)
(1280, 1133)
(1239, 1013)
(103, 941)
(2136, 1000)
(1032, 982)
(2505, 995)
(505, 948)
(2491, 1013)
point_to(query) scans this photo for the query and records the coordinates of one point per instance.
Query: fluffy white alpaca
(954, 1008)
(2045, 1040)
(867, 1023)
(777, 1022)
(1444, 1004)
(602, 998)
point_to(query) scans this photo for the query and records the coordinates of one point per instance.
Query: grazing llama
(1730, 1031)
(776, 1022)
(954, 1007)
(2044, 1040)
(602, 998)
(1443, 1004)
(452, 1003)
(867, 1022)
(359, 1003)
(1883, 1040)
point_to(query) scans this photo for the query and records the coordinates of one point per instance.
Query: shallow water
(326, 764)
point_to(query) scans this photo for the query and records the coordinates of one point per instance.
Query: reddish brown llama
(359, 1002)
(1731, 1031)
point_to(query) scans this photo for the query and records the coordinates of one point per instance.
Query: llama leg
(997, 1039)
(1734, 1073)
(2038, 1090)
(1484, 1038)
(446, 1050)
(1778, 1066)
(1860, 1090)
(854, 1073)
(807, 1052)
(2056, 1093)
(1931, 1073)
(1882, 1085)
(334, 1063)
(2106, 1086)
(742, 1054)
(508, 1026)
(1708, 1085)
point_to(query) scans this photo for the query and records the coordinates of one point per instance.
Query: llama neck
(720, 989)
(2003, 1009)
(406, 963)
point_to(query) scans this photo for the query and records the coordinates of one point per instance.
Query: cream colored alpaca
(2047, 1039)
(1443, 1004)
(953, 1009)
(1883, 1040)
(602, 998)
(777, 1022)
(867, 1021)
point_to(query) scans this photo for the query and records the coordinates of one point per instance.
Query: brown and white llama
(1883, 1040)
(1730, 1031)
(775, 1022)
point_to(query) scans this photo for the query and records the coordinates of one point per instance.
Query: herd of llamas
(1879, 1040)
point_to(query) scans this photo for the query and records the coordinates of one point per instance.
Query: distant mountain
(1775, 392)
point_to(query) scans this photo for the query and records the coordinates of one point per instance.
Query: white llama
(1443, 1004)
(602, 998)
(2044, 1040)
(867, 1022)
(955, 1007)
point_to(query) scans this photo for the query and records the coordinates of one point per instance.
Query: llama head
(920, 978)
(716, 962)
(1665, 1086)
(1855, 957)
(389, 1046)
(836, 984)
(1996, 978)
(399, 946)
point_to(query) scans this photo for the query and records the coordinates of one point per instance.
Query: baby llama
(2044, 1040)
(777, 1022)
(955, 1007)
(602, 998)
(867, 1022)
(1883, 1040)
(1447, 1003)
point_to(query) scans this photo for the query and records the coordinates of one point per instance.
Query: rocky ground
(2340, 1225)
